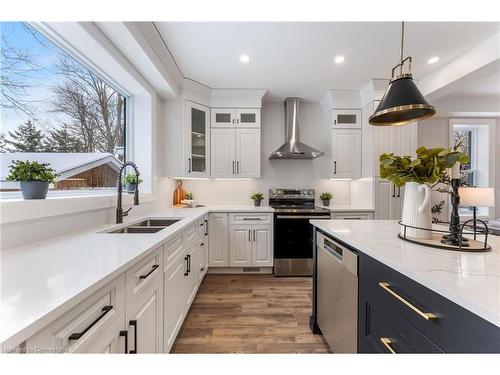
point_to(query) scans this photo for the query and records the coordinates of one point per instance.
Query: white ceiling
(296, 59)
(487, 86)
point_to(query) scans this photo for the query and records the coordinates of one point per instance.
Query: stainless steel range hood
(293, 148)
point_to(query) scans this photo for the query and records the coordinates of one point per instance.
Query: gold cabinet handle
(388, 344)
(425, 315)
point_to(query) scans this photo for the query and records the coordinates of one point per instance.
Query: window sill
(15, 210)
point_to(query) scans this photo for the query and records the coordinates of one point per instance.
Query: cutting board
(179, 194)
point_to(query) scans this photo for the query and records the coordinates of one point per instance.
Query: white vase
(417, 210)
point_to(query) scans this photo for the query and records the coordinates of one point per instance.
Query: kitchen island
(401, 283)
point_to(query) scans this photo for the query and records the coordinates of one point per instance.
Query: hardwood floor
(250, 314)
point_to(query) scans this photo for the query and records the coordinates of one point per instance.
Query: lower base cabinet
(144, 320)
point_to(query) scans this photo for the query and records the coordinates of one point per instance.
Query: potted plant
(33, 177)
(189, 196)
(257, 198)
(419, 176)
(326, 197)
(130, 182)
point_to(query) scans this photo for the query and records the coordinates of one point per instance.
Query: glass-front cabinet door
(248, 118)
(198, 140)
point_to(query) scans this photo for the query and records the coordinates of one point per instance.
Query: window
(56, 110)
(476, 138)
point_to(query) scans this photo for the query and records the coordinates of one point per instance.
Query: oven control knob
(304, 192)
(273, 192)
(310, 192)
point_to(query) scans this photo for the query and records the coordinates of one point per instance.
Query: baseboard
(241, 270)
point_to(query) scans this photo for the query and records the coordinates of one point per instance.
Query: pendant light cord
(402, 45)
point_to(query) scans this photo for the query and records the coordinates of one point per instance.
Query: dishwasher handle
(340, 253)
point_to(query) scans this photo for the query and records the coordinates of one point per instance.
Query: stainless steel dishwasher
(337, 294)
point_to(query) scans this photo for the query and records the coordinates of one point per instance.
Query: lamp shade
(476, 196)
(401, 104)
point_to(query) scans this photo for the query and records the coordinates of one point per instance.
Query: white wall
(314, 131)
(497, 163)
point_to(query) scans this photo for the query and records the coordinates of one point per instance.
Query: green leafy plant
(30, 171)
(189, 196)
(428, 168)
(130, 179)
(326, 196)
(257, 196)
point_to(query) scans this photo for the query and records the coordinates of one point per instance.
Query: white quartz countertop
(471, 280)
(347, 208)
(41, 281)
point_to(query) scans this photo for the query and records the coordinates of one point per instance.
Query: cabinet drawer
(83, 324)
(451, 327)
(172, 249)
(250, 218)
(142, 274)
(352, 216)
(190, 233)
(381, 330)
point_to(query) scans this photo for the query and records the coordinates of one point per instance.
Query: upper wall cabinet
(346, 118)
(187, 139)
(197, 140)
(346, 153)
(232, 117)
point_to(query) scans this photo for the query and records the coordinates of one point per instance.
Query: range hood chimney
(293, 148)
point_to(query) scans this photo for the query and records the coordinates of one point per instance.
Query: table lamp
(476, 197)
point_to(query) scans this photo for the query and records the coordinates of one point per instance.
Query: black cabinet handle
(254, 235)
(233, 168)
(77, 335)
(399, 192)
(249, 238)
(237, 167)
(187, 266)
(393, 191)
(206, 227)
(335, 167)
(202, 244)
(134, 324)
(189, 165)
(125, 334)
(155, 266)
(189, 263)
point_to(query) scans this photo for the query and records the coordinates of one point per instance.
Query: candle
(455, 171)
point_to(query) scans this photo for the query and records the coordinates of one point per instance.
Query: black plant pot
(326, 202)
(34, 189)
(256, 202)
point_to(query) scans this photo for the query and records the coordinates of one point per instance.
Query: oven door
(293, 236)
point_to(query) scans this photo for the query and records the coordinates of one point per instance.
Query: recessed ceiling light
(433, 60)
(339, 59)
(244, 58)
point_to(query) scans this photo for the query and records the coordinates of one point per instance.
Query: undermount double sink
(145, 226)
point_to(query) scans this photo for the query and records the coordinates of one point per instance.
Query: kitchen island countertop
(471, 280)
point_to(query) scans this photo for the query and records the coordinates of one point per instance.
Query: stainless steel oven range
(293, 234)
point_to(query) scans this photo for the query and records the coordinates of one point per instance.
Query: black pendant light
(402, 103)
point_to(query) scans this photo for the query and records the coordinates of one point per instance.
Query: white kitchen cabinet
(144, 319)
(240, 245)
(93, 326)
(218, 240)
(368, 215)
(262, 247)
(223, 152)
(346, 118)
(400, 140)
(247, 153)
(190, 285)
(346, 153)
(235, 152)
(187, 139)
(235, 117)
(388, 200)
(248, 118)
(223, 117)
(197, 140)
(174, 304)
